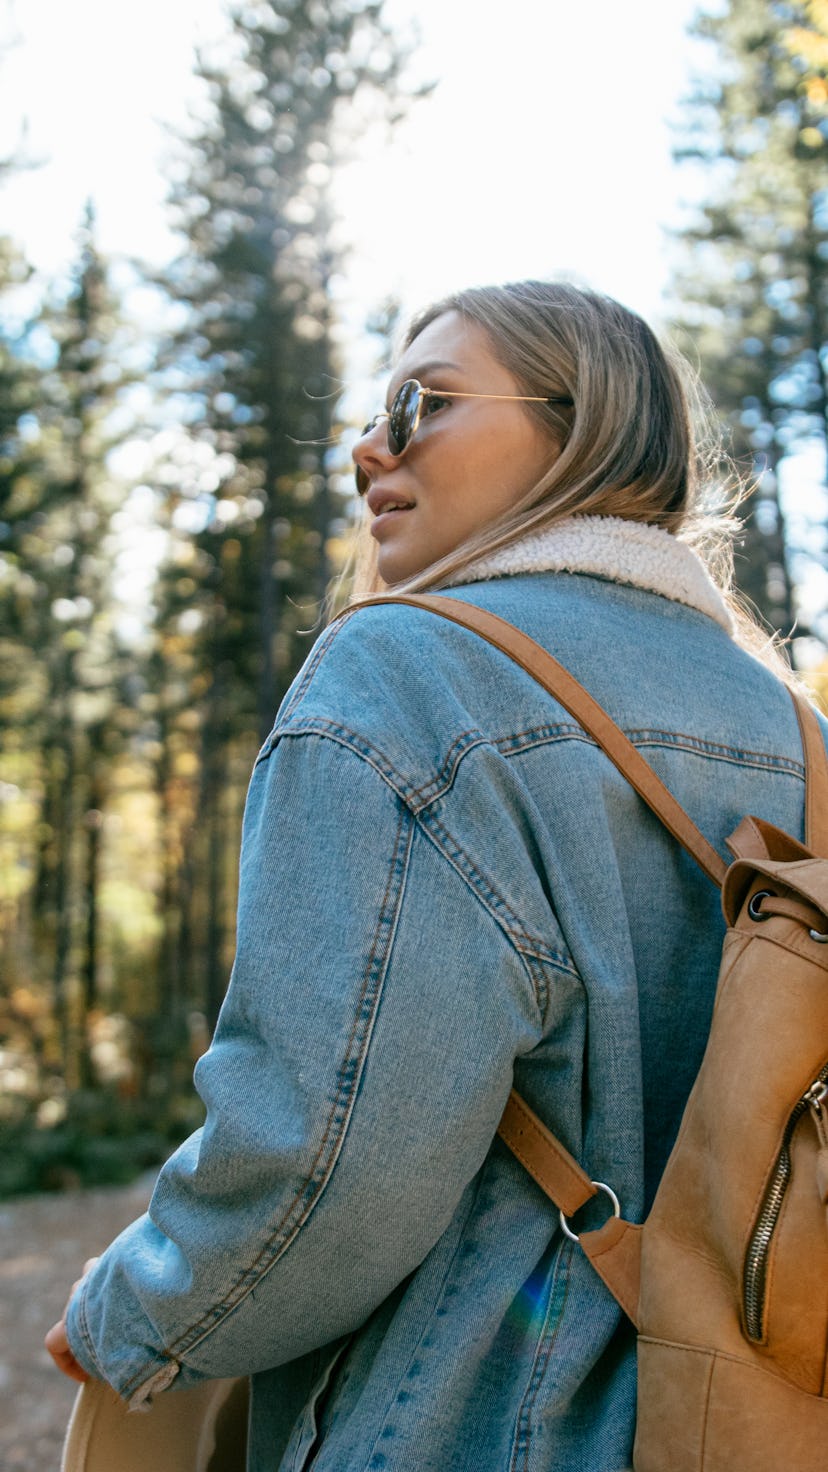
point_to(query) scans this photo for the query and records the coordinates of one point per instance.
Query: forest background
(203, 438)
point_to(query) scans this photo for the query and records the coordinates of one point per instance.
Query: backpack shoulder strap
(550, 1164)
(563, 686)
(816, 777)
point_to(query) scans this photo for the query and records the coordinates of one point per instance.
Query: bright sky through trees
(544, 148)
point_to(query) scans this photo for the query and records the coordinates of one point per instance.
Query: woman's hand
(57, 1343)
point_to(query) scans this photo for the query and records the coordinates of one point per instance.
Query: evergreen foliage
(62, 709)
(258, 352)
(125, 765)
(752, 286)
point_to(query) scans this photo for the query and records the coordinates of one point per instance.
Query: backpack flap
(764, 851)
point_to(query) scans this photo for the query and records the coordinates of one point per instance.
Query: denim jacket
(447, 888)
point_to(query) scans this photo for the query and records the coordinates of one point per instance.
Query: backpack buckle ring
(616, 1210)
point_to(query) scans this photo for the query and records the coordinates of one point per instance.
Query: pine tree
(59, 504)
(254, 206)
(20, 687)
(752, 286)
(258, 354)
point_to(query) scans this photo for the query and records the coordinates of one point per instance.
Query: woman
(445, 889)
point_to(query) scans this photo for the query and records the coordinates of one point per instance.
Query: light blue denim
(446, 887)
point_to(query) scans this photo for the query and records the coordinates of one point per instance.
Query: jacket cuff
(159, 1374)
(80, 1342)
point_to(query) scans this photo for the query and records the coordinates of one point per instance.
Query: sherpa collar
(611, 547)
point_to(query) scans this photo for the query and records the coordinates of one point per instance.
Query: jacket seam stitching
(438, 1297)
(540, 1360)
(467, 741)
(83, 1326)
(738, 755)
(310, 1192)
(645, 736)
(303, 682)
(525, 943)
(344, 736)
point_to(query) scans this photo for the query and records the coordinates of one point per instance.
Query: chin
(395, 570)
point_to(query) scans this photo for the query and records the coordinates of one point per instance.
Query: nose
(371, 454)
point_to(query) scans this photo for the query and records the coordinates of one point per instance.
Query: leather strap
(544, 1157)
(555, 1170)
(563, 686)
(816, 778)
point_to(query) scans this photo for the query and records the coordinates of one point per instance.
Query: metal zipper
(756, 1258)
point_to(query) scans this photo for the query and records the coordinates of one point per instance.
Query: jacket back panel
(525, 1361)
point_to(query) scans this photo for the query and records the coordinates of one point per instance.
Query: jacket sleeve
(361, 1062)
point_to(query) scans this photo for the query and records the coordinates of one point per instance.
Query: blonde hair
(639, 441)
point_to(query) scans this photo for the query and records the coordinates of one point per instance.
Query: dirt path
(45, 1242)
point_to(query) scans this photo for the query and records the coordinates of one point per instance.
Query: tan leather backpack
(727, 1280)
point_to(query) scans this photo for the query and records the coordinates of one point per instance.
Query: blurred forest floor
(46, 1240)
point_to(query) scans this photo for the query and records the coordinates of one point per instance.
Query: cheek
(504, 470)
(532, 461)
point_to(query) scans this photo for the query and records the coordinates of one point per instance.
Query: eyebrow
(421, 371)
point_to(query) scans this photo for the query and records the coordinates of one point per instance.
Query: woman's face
(470, 460)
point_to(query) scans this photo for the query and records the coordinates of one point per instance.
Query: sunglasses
(403, 418)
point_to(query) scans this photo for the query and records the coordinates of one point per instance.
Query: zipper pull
(816, 1097)
(817, 1100)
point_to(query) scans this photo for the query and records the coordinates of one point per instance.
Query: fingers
(58, 1346)
(57, 1342)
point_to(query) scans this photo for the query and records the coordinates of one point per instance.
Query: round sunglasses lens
(403, 416)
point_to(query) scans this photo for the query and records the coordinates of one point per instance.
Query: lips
(382, 502)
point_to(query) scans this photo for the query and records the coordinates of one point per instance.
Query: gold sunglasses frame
(362, 481)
